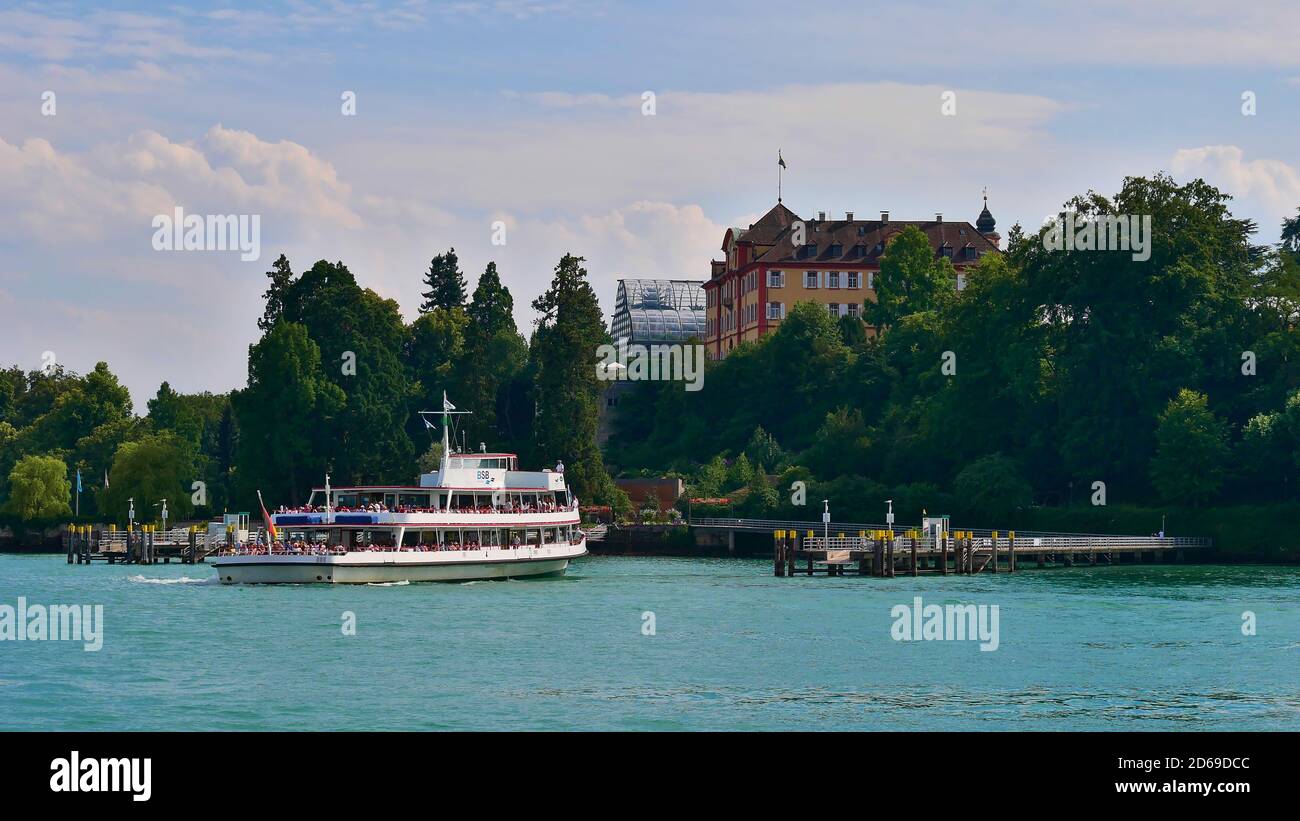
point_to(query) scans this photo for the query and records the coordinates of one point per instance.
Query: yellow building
(782, 260)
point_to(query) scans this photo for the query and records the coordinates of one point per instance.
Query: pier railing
(1040, 539)
(1035, 544)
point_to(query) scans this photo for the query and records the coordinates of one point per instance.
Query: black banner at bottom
(169, 771)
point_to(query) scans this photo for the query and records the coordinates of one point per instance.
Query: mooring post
(810, 559)
(915, 570)
(943, 554)
(778, 561)
(1011, 551)
(993, 563)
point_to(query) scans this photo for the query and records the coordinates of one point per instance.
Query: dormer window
(945, 250)
(837, 250)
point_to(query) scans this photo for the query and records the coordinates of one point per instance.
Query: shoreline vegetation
(1081, 391)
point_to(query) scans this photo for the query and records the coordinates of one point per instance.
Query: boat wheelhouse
(477, 517)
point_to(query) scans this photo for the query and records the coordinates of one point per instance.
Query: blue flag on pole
(78, 480)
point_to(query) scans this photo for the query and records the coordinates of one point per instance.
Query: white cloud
(1265, 189)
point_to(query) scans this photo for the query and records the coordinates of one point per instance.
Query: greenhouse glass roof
(658, 310)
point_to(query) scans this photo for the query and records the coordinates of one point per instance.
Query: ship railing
(459, 510)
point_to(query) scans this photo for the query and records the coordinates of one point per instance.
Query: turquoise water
(1129, 647)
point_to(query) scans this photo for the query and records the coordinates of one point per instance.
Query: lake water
(1129, 647)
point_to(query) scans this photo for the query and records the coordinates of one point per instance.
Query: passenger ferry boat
(477, 517)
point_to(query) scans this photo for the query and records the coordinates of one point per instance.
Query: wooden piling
(993, 561)
(1011, 552)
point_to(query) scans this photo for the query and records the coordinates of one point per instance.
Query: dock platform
(884, 553)
(145, 544)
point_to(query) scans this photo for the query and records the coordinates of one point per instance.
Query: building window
(837, 250)
(853, 279)
(871, 280)
(834, 308)
(968, 252)
(946, 250)
(853, 309)
(961, 282)
(833, 279)
(810, 279)
(776, 279)
(775, 310)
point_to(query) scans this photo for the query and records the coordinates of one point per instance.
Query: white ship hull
(379, 567)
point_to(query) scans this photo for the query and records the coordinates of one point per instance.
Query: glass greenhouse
(647, 311)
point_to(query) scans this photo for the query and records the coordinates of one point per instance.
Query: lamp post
(826, 518)
(130, 516)
(163, 502)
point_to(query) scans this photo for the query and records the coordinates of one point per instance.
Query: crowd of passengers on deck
(541, 506)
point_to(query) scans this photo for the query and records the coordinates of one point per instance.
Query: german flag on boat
(266, 517)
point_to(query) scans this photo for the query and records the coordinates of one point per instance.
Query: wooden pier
(961, 552)
(145, 544)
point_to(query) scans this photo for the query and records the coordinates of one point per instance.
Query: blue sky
(529, 112)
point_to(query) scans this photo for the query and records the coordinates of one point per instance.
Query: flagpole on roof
(780, 166)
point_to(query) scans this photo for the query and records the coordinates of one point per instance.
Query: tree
(495, 353)
(156, 467)
(852, 330)
(566, 390)
(285, 416)
(741, 473)
(911, 279)
(710, 480)
(1191, 451)
(446, 283)
(1126, 333)
(492, 308)
(842, 445)
(39, 488)
(1291, 235)
(281, 276)
(992, 488)
(361, 341)
(761, 498)
(764, 449)
(434, 357)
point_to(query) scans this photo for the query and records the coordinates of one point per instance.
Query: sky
(533, 114)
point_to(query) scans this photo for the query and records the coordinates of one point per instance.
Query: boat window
(420, 500)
